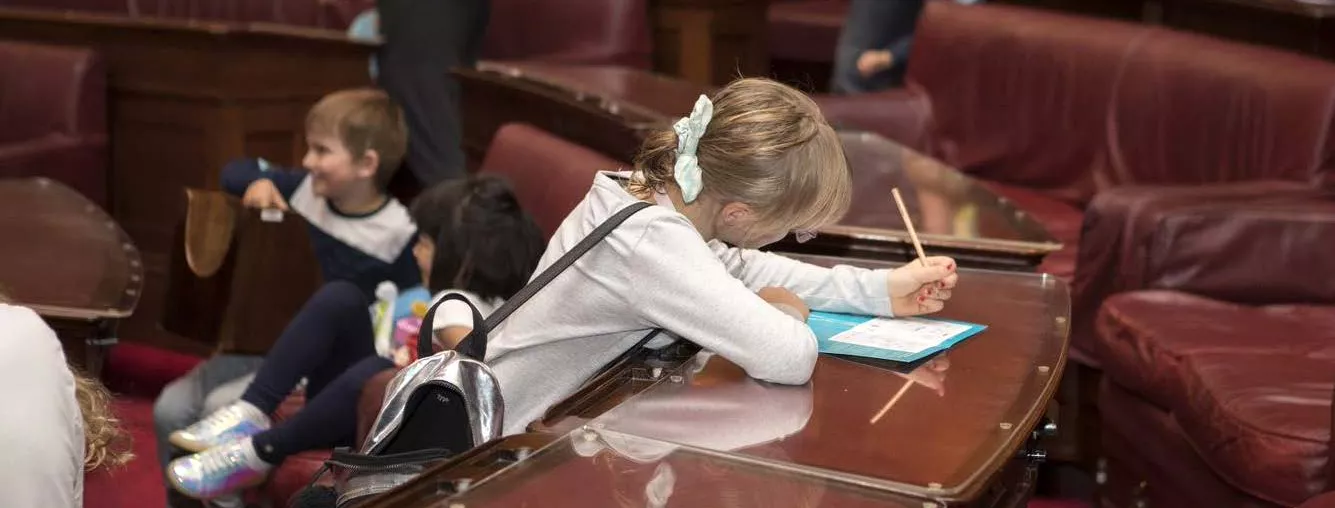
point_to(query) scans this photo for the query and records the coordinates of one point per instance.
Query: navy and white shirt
(365, 249)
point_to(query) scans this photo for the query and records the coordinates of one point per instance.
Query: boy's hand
(263, 194)
(917, 289)
(786, 301)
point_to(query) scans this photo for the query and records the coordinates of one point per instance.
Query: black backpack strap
(629, 353)
(473, 346)
(564, 262)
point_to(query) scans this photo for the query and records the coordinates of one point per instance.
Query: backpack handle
(474, 345)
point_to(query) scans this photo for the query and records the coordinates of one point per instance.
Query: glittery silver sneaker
(232, 422)
(216, 472)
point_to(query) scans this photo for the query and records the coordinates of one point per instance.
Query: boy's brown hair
(364, 119)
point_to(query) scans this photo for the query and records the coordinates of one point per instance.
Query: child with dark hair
(473, 240)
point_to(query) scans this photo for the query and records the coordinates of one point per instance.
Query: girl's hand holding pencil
(922, 288)
(923, 285)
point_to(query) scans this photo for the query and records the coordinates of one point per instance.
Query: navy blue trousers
(330, 342)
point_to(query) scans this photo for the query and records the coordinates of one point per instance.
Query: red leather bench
(803, 36)
(53, 116)
(1051, 110)
(1103, 130)
(603, 32)
(1219, 370)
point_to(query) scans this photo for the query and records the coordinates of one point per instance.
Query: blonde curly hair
(105, 443)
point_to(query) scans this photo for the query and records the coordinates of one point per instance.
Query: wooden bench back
(235, 280)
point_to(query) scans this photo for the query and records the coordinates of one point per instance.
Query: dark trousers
(874, 25)
(424, 40)
(330, 343)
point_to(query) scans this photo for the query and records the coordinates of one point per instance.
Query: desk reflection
(721, 410)
(718, 411)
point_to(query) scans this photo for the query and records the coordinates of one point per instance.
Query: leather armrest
(1245, 242)
(77, 161)
(1272, 252)
(901, 114)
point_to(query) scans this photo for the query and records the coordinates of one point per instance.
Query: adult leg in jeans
(220, 397)
(424, 40)
(874, 25)
(183, 401)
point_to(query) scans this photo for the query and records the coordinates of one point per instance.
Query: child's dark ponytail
(485, 242)
(494, 194)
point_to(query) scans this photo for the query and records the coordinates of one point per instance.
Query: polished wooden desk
(954, 215)
(964, 436)
(187, 96)
(610, 108)
(66, 259)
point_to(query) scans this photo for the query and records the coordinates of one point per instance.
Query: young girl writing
(752, 164)
(473, 240)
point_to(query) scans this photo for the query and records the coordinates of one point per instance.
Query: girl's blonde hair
(105, 443)
(767, 146)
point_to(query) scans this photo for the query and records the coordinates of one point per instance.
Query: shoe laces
(220, 419)
(220, 460)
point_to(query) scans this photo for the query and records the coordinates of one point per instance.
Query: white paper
(907, 334)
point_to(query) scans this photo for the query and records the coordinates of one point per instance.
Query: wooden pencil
(908, 223)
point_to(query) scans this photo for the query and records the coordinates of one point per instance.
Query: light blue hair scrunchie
(689, 131)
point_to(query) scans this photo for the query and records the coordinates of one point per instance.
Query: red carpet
(136, 373)
(138, 484)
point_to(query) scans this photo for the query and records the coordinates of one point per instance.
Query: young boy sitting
(355, 140)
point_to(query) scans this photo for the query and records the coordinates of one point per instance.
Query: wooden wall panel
(185, 97)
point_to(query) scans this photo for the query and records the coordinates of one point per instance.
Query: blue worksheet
(895, 339)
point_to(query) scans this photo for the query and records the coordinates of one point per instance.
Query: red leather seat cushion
(806, 30)
(1250, 386)
(603, 32)
(1261, 420)
(1144, 443)
(1061, 219)
(1326, 500)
